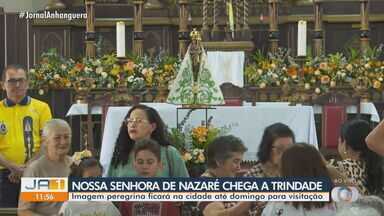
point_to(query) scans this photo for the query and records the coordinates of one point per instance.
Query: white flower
(93, 85)
(63, 67)
(273, 65)
(109, 85)
(333, 83)
(278, 83)
(68, 85)
(367, 66)
(259, 71)
(317, 72)
(343, 74)
(307, 86)
(32, 70)
(262, 85)
(98, 62)
(349, 67)
(56, 76)
(285, 79)
(381, 79)
(317, 90)
(104, 74)
(144, 71)
(41, 91)
(99, 70)
(87, 69)
(187, 156)
(274, 75)
(131, 79)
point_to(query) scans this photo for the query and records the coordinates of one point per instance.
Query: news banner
(175, 189)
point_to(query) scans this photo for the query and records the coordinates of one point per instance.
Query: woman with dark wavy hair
(361, 165)
(276, 139)
(144, 122)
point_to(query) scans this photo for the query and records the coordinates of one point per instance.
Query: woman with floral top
(276, 139)
(362, 166)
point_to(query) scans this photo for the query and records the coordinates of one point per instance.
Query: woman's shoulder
(170, 149)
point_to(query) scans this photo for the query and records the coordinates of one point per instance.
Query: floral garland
(55, 72)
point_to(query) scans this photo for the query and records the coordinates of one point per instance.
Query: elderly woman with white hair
(56, 139)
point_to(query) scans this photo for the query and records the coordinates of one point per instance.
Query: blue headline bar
(241, 184)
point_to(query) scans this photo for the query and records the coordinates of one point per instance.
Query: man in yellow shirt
(21, 120)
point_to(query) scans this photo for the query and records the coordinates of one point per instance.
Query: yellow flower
(115, 70)
(376, 84)
(187, 156)
(168, 67)
(349, 67)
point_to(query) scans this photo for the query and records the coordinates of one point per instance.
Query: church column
(183, 27)
(90, 36)
(205, 28)
(246, 30)
(364, 30)
(318, 33)
(216, 28)
(273, 36)
(138, 36)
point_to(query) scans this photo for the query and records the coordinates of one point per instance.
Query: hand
(18, 170)
(14, 178)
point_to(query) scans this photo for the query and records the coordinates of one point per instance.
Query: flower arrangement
(54, 71)
(360, 71)
(51, 72)
(326, 72)
(192, 142)
(273, 70)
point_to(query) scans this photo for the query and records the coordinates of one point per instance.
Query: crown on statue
(195, 35)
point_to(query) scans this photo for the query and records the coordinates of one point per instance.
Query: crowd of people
(32, 144)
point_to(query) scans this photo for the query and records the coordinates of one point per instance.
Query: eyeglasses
(15, 82)
(135, 120)
(281, 149)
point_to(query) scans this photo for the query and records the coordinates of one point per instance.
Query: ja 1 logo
(344, 194)
(43, 184)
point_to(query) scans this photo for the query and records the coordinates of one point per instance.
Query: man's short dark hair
(13, 67)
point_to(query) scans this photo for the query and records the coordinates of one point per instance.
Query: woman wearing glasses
(144, 122)
(276, 139)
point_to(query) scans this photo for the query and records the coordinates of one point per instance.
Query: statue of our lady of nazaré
(194, 84)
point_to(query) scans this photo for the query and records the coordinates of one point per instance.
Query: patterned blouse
(257, 171)
(355, 171)
(202, 205)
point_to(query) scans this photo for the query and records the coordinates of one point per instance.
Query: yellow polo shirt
(20, 128)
